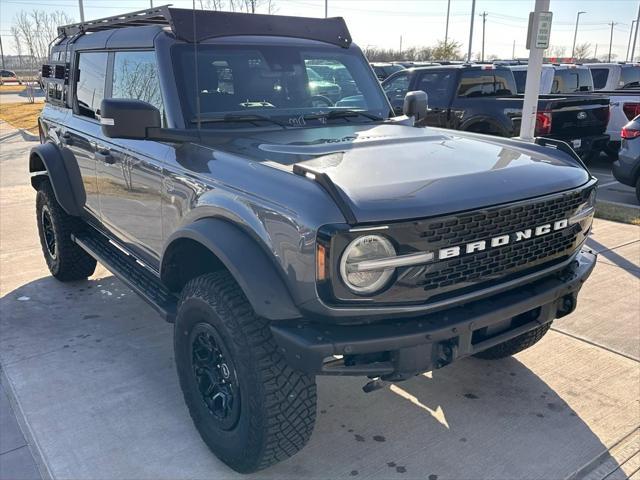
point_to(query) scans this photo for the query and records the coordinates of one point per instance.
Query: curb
(25, 427)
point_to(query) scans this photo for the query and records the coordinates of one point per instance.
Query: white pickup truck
(614, 76)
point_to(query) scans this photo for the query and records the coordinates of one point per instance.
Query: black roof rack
(198, 25)
(152, 16)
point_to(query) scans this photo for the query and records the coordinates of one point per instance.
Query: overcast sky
(419, 22)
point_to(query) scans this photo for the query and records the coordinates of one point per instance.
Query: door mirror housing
(128, 118)
(416, 105)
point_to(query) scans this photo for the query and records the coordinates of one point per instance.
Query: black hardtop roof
(198, 25)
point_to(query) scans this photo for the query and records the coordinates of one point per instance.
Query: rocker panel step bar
(134, 275)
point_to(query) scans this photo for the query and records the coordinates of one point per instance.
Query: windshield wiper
(240, 117)
(345, 114)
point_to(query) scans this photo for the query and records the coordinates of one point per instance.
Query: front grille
(445, 278)
(495, 263)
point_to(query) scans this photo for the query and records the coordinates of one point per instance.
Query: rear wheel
(515, 345)
(250, 407)
(66, 260)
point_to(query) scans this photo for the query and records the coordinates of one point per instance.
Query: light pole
(626, 57)
(326, 8)
(575, 35)
(610, 40)
(473, 13)
(446, 28)
(635, 35)
(484, 23)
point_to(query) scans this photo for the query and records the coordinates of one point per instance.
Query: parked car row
(484, 99)
(487, 98)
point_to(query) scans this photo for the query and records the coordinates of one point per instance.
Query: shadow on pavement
(92, 367)
(614, 257)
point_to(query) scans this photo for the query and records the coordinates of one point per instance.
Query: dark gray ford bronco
(288, 234)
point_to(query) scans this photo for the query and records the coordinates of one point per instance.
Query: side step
(134, 275)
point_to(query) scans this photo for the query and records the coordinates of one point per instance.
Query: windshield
(237, 85)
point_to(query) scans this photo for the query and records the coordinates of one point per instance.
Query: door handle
(105, 157)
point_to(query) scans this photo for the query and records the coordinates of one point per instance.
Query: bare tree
(582, 51)
(33, 33)
(245, 6)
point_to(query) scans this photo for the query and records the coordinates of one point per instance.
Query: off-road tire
(515, 345)
(69, 262)
(277, 403)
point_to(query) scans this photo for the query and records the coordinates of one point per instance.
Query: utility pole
(610, 40)
(484, 22)
(595, 53)
(513, 51)
(1, 52)
(446, 28)
(473, 13)
(326, 8)
(575, 35)
(81, 11)
(400, 44)
(151, 3)
(635, 36)
(626, 57)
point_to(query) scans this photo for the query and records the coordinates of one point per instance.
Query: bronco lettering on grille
(501, 240)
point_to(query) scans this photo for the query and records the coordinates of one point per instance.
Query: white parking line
(608, 184)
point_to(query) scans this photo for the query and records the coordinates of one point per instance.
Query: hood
(393, 172)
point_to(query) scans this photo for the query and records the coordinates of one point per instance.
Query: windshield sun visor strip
(327, 184)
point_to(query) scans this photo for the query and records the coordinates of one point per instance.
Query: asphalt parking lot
(88, 369)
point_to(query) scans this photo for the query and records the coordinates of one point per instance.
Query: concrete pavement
(90, 368)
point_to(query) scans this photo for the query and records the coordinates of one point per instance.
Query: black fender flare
(485, 119)
(64, 174)
(247, 262)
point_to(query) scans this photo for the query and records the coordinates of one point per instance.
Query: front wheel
(250, 407)
(66, 260)
(515, 345)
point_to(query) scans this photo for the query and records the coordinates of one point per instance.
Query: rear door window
(90, 80)
(486, 83)
(600, 77)
(521, 79)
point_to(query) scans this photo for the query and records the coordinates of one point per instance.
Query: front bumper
(400, 349)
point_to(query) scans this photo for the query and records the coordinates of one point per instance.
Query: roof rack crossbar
(198, 25)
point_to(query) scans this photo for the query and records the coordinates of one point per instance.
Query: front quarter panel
(280, 211)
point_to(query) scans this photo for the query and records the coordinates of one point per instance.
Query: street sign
(540, 37)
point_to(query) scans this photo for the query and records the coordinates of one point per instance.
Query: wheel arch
(60, 166)
(212, 244)
(476, 121)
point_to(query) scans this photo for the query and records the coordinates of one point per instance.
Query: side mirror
(126, 118)
(415, 105)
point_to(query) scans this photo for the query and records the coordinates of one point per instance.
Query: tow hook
(448, 351)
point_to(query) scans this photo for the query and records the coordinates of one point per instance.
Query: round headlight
(362, 249)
